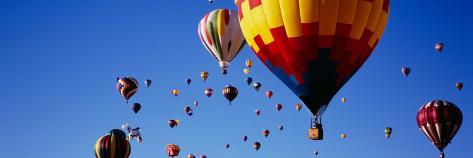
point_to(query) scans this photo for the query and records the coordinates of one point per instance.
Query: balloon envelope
(136, 107)
(221, 35)
(439, 120)
(248, 80)
(230, 93)
(127, 87)
(148, 82)
(406, 71)
(313, 55)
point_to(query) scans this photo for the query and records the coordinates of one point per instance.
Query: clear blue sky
(60, 59)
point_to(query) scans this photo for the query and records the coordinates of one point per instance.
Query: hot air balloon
(439, 47)
(257, 86)
(204, 75)
(269, 94)
(281, 127)
(175, 92)
(203, 156)
(313, 55)
(148, 82)
(172, 150)
(188, 110)
(136, 107)
(173, 123)
(343, 135)
(316, 152)
(230, 93)
(344, 100)
(257, 112)
(459, 85)
(387, 132)
(439, 120)
(208, 92)
(249, 63)
(245, 138)
(298, 107)
(278, 107)
(196, 103)
(246, 71)
(127, 87)
(248, 80)
(211, 1)
(220, 33)
(266, 133)
(406, 71)
(190, 156)
(227, 146)
(256, 146)
(188, 81)
(113, 145)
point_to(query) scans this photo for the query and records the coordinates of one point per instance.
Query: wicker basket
(316, 133)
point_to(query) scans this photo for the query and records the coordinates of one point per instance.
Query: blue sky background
(60, 59)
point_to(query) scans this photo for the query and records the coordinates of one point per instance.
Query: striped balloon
(313, 46)
(230, 93)
(220, 33)
(112, 146)
(439, 120)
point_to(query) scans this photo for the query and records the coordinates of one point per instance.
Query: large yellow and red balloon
(313, 46)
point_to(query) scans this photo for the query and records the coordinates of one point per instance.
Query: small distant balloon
(439, 47)
(196, 103)
(249, 63)
(344, 100)
(173, 123)
(278, 107)
(148, 83)
(459, 85)
(257, 86)
(256, 146)
(188, 110)
(387, 132)
(172, 150)
(208, 92)
(136, 107)
(343, 135)
(266, 133)
(204, 75)
(203, 156)
(175, 92)
(281, 127)
(257, 112)
(188, 81)
(248, 80)
(269, 94)
(246, 71)
(245, 138)
(406, 71)
(190, 156)
(298, 107)
(227, 146)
